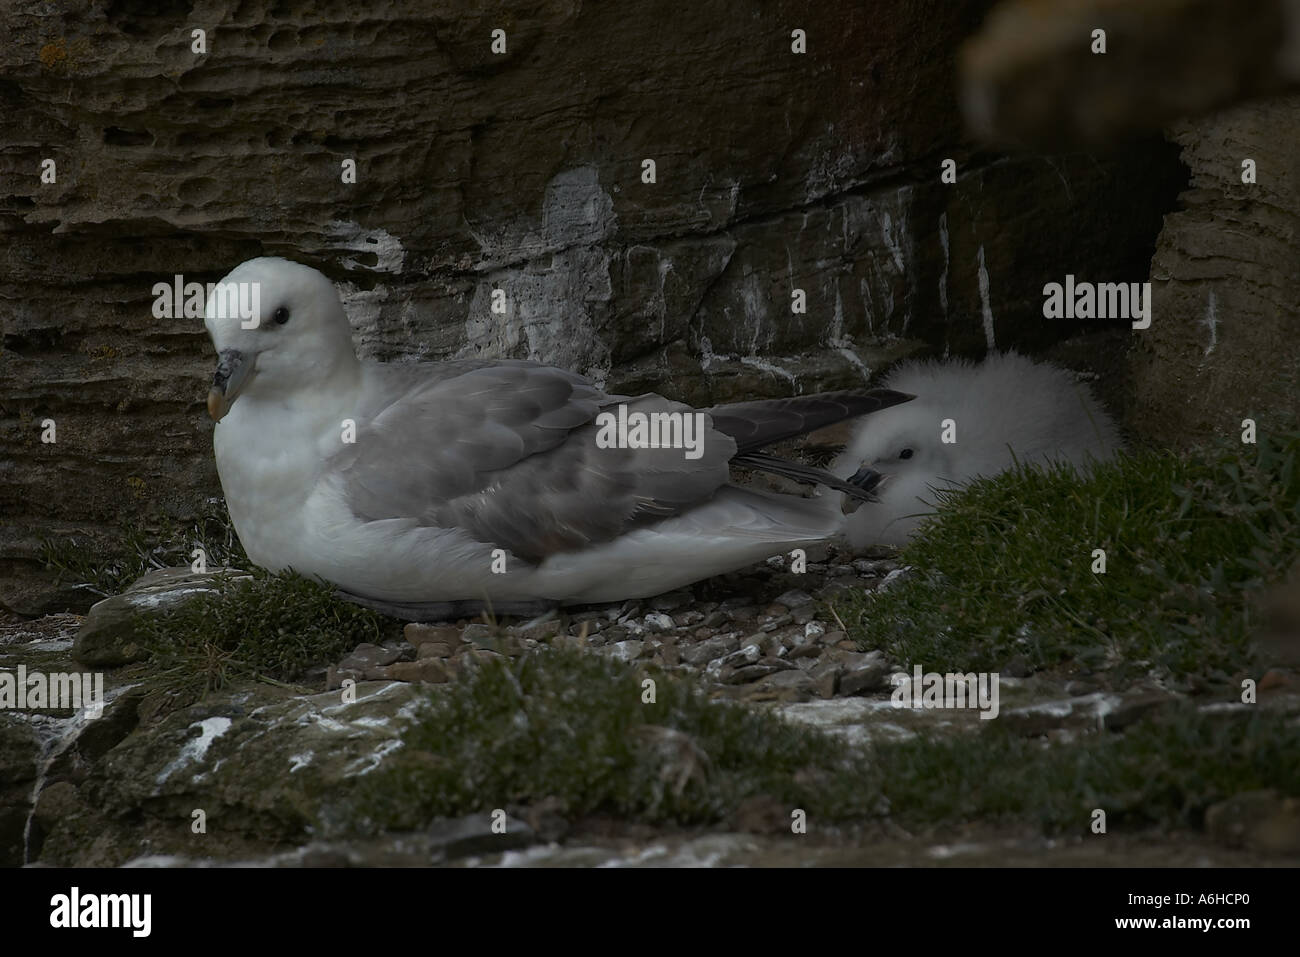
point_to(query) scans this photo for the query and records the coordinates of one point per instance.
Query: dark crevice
(115, 136)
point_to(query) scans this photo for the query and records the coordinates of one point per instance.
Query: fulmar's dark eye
(905, 454)
(281, 315)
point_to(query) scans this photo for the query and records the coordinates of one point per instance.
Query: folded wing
(507, 452)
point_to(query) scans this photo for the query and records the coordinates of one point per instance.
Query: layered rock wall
(521, 170)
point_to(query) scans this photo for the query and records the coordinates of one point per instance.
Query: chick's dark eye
(281, 315)
(905, 454)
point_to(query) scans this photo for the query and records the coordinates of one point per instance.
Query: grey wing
(507, 452)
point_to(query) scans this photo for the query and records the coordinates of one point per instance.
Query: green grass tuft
(270, 627)
(1163, 771)
(1004, 570)
(108, 569)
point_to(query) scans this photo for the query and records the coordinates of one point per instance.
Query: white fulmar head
(1005, 409)
(277, 326)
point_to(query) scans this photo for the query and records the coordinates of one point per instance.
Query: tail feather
(756, 424)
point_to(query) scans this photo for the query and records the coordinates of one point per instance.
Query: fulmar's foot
(448, 610)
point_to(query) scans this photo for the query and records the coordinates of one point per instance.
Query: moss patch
(1005, 569)
(1163, 771)
(270, 627)
(572, 728)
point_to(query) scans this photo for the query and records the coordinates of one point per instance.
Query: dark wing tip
(888, 397)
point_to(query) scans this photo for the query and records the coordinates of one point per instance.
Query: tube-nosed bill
(867, 479)
(233, 369)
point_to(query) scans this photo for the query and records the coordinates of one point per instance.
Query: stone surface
(107, 637)
(629, 650)
(426, 669)
(781, 686)
(367, 656)
(433, 649)
(863, 673)
(477, 834)
(521, 172)
(825, 678)
(1087, 711)
(709, 650)
(1278, 638)
(1221, 347)
(273, 768)
(747, 673)
(1134, 707)
(20, 750)
(768, 844)
(1259, 820)
(659, 622)
(746, 654)
(419, 634)
(793, 599)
